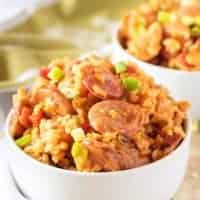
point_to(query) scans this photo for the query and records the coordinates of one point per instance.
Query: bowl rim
(11, 86)
(116, 42)
(56, 170)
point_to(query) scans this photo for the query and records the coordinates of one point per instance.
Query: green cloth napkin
(68, 28)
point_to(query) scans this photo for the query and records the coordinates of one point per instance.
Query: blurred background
(34, 32)
(41, 33)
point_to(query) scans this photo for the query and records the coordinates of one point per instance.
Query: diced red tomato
(131, 70)
(44, 72)
(68, 138)
(36, 118)
(24, 117)
(86, 127)
(89, 95)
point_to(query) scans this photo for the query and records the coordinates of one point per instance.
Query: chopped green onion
(56, 74)
(78, 134)
(164, 17)
(24, 141)
(120, 67)
(78, 150)
(188, 20)
(79, 154)
(197, 20)
(195, 31)
(131, 83)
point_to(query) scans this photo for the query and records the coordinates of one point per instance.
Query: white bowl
(182, 85)
(156, 181)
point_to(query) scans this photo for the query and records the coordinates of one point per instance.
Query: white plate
(8, 190)
(17, 11)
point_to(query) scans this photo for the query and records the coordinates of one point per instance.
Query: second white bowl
(182, 85)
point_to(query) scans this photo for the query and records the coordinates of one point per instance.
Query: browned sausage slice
(105, 157)
(102, 83)
(116, 116)
(62, 105)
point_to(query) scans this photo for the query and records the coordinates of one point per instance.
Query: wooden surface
(190, 189)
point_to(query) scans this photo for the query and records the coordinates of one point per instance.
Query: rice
(122, 129)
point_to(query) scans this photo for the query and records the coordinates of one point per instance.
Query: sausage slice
(104, 157)
(116, 116)
(102, 83)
